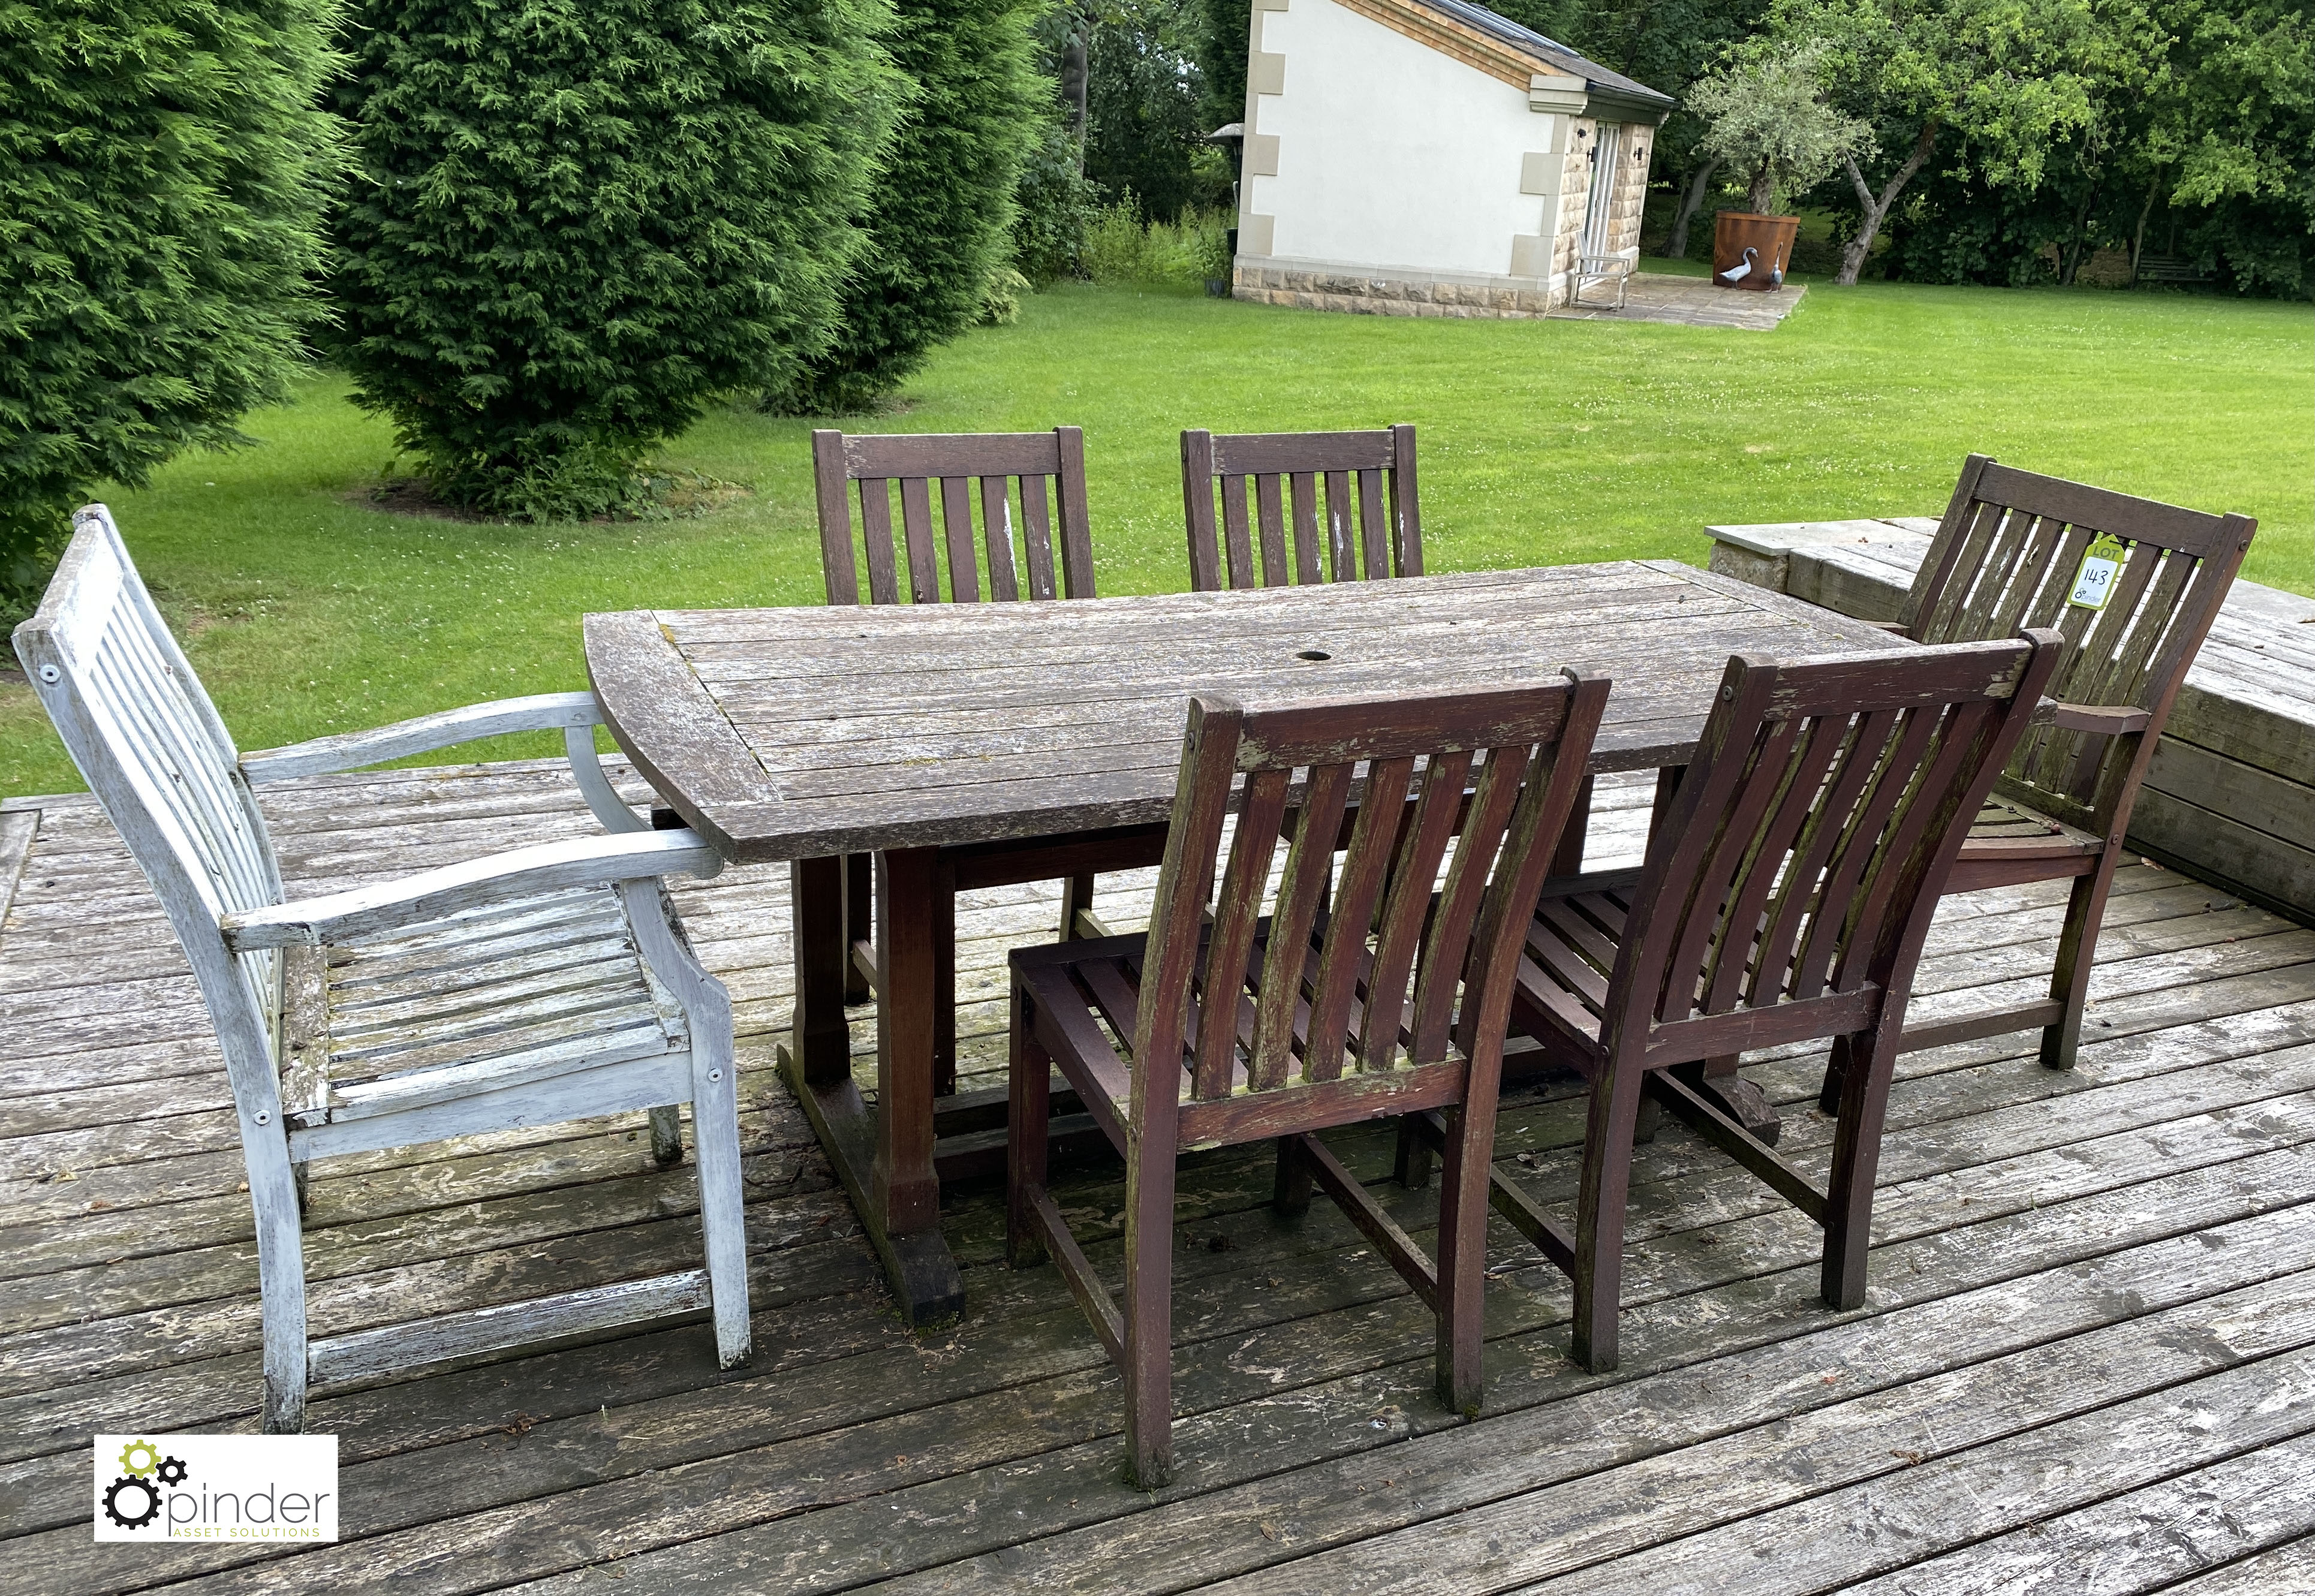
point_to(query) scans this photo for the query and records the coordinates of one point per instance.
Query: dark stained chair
(1026, 486)
(1784, 900)
(1268, 484)
(2010, 554)
(1335, 1000)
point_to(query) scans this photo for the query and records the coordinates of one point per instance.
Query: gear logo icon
(172, 1471)
(139, 1458)
(143, 1504)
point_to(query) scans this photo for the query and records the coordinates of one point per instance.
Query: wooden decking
(2088, 1363)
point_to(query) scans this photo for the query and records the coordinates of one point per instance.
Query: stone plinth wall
(1301, 289)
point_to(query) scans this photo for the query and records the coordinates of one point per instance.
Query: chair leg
(1291, 1192)
(1836, 1071)
(1615, 1111)
(1872, 1063)
(716, 1131)
(2070, 982)
(1028, 1109)
(943, 981)
(281, 1286)
(1077, 899)
(667, 1134)
(1149, 1312)
(1462, 1255)
(859, 921)
(1411, 1167)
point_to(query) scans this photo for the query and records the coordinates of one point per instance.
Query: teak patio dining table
(805, 734)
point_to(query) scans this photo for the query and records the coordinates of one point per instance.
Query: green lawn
(1542, 442)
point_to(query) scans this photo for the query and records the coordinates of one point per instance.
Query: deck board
(2092, 1318)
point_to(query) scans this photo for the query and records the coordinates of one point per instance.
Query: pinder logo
(216, 1487)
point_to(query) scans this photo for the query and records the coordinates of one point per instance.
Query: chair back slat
(2007, 555)
(1800, 858)
(1270, 536)
(916, 532)
(1271, 510)
(1301, 902)
(1308, 568)
(1012, 553)
(956, 528)
(1378, 965)
(160, 762)
(1436, 985)
(1261, 810)
(1374, 532)
(1406, 906)
(1375, 837)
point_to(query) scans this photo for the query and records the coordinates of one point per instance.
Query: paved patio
(1691, 302)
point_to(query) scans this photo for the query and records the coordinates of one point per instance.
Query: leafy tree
(1766, 116)
(163, 171)
(1054, 204)
(575, 221)
(2198, 139)
(2000, 80)
(2228, 147)
(1145, 102)
(1226, 34)
(1667, 45)
(940, 218)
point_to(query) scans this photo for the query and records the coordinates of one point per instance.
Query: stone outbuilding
(1428, 157)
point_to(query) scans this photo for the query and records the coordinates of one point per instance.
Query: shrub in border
(576, 222)
(163, 172)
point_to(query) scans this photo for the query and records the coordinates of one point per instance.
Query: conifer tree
(940, 216)
(576, 222)
(163, 171)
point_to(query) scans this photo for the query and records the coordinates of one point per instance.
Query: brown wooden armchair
(1026, 486)
(1263, 478)
(1785, 898)
(2010, 554)
(1247, 1026)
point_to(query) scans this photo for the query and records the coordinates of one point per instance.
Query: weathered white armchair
(545, 984)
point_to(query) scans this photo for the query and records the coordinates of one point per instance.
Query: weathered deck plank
(2097, 1250)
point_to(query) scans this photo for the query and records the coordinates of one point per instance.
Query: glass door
(1605, 149)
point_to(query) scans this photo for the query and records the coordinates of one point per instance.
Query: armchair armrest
(1895, 628)
(2106, 720)
(350, 750)
(430, 895)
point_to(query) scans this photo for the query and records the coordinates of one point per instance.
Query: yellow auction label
(2101, 563)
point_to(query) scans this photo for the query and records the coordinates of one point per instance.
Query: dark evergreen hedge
(938, 221)
(575, 222)
(162, 170)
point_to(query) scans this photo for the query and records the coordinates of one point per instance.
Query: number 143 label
(2101, 563)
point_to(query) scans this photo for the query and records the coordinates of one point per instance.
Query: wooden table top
(806, 731)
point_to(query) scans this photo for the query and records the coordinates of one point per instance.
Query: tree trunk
(2069, 259)
(1074, 78)
(1675, 245)
(1876, 208)
(1764, 190)
(2138, 233)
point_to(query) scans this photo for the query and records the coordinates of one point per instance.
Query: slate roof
(1549, 53)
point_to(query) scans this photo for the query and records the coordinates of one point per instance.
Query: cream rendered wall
(1388, 153)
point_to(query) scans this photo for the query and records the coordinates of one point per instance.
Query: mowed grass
(306, 611)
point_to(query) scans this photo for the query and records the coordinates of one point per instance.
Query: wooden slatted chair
(1018, 481)
(1253, 1026)
(543, 984)
(1373, 471)
(2010, 554)
(1784, 900)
